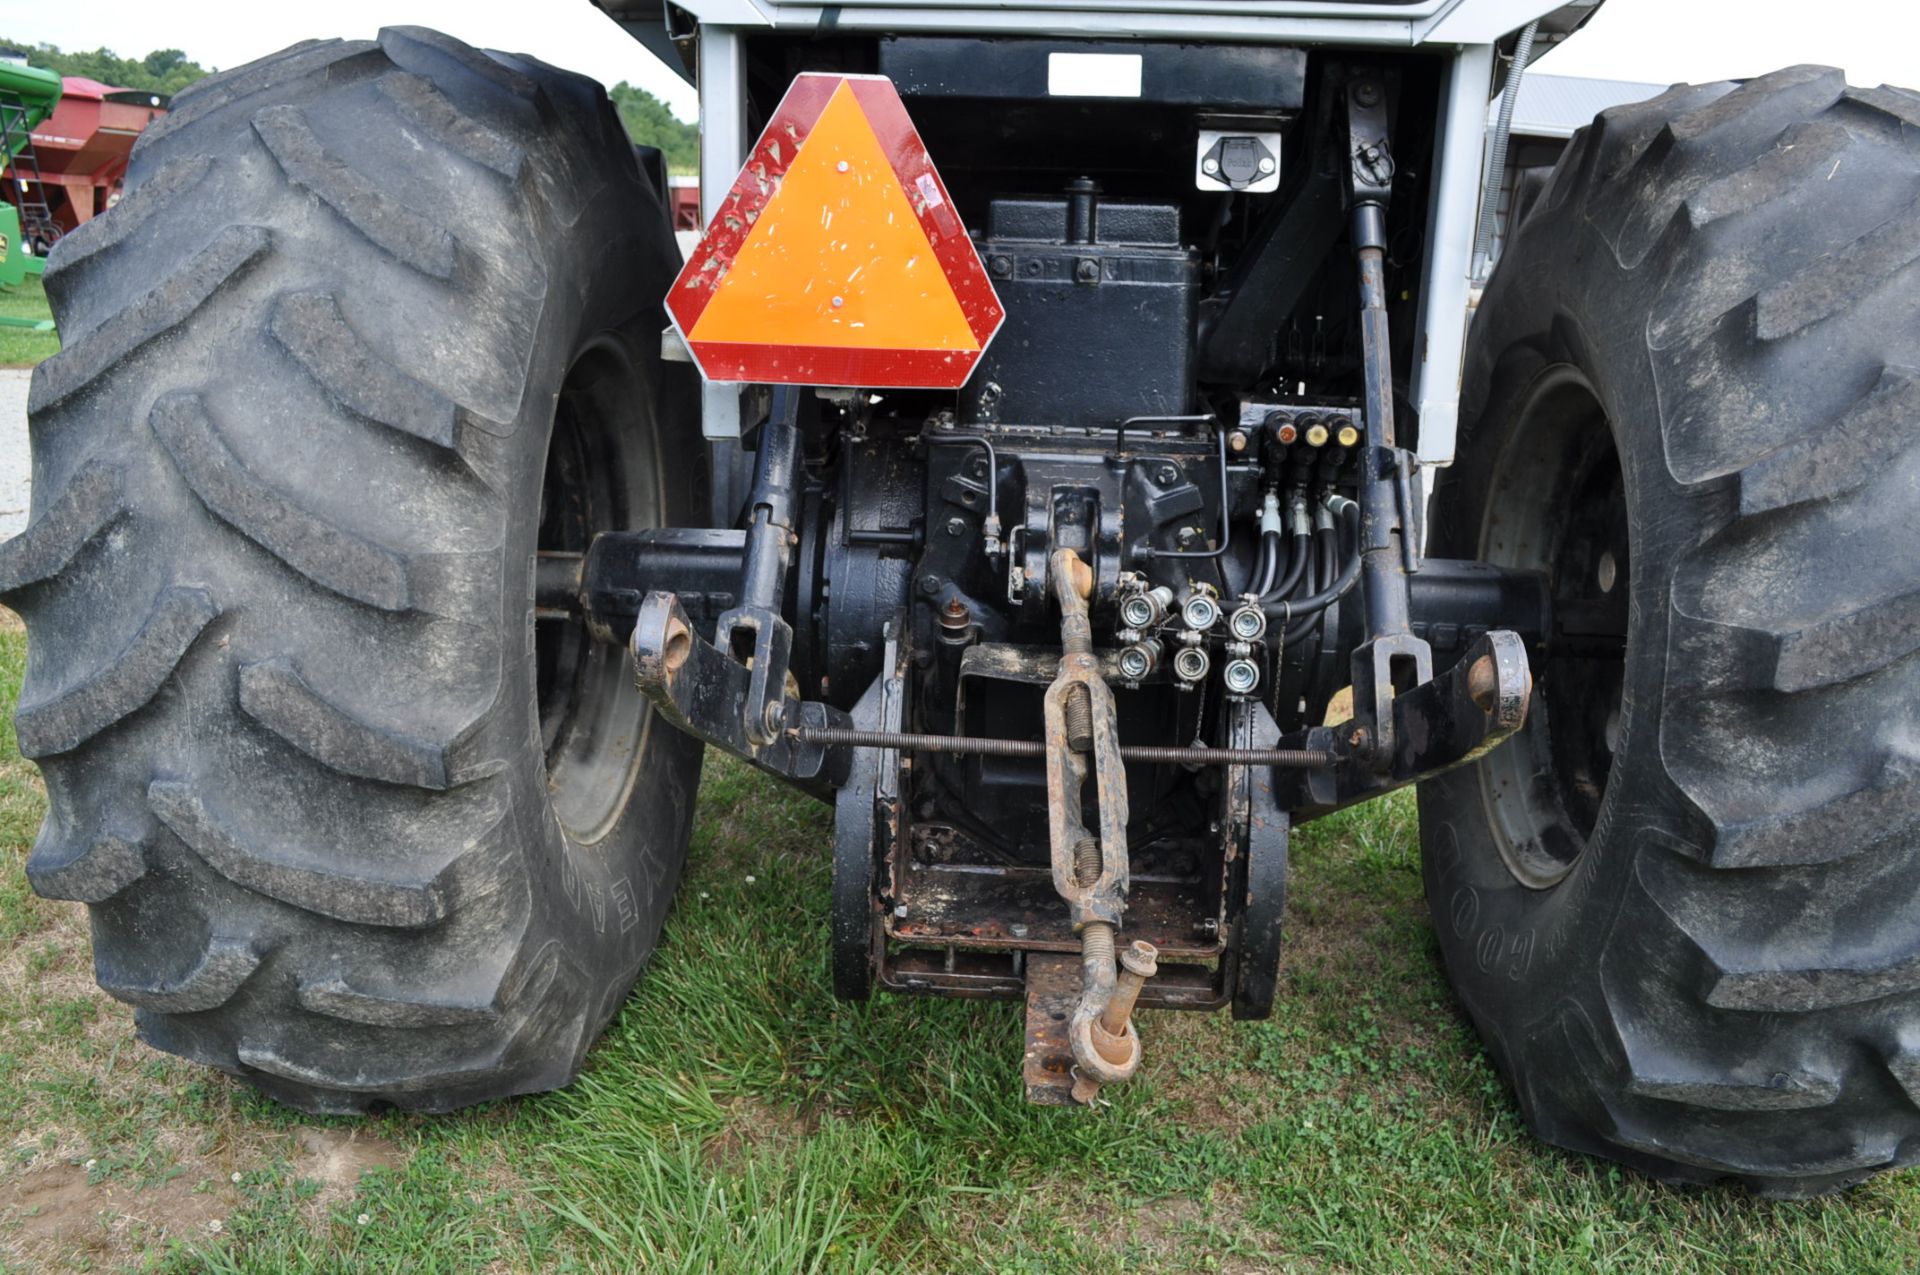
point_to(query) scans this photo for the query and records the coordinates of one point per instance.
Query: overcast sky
(1660, 41)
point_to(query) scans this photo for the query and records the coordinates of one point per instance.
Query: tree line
(648, 121)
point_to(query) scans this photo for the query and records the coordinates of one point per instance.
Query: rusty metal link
(1090, 867)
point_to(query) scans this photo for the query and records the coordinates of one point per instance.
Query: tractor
(1079, 450)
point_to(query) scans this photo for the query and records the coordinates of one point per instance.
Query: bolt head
(1210, 164)
(1086, 270)
(1000, 265)
(841, 166)
(1266, 165)
(838, 302)
(956, 526)
(1237, 441)
(929, 585)
(1140, 957)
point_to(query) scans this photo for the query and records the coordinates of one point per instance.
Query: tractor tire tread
(287, 787)
(1756, 998)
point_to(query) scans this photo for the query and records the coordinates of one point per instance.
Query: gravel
(16, 475)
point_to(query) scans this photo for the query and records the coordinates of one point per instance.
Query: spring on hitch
(1090, 866)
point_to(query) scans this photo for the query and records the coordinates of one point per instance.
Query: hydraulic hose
(1497, 162)
(1269, 569)
(1287, 610)
(1307, 613)
(1296, 568)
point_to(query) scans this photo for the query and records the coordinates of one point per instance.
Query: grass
(736, 1118)
(21, 347)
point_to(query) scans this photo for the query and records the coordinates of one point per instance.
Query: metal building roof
(1556, 105)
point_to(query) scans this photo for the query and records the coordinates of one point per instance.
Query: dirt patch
(752, 1126)
(1164, 1227)
(51, 1215)
(335, 1158)
(11, 623)
(54, 1215)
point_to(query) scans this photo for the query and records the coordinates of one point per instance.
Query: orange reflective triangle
(837, 257)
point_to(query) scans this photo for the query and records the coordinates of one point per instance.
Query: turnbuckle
(1090, 869)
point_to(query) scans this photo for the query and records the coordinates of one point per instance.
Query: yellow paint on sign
(837, 257)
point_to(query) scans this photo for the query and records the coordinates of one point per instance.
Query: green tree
(161, 71)
(649, 123)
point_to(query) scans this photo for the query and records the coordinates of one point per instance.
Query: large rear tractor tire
(374, 323)
(1683, 907)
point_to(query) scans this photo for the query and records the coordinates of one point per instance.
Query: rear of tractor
(1079, 411)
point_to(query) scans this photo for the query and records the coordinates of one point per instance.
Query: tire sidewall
(1518, 956)
(603, 902)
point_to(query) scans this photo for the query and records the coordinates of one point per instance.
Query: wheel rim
(1558, 505)
(600, 475)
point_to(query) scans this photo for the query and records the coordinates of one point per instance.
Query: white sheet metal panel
(1482, 21)
(1560, 105)
(1350, 22)
(753, 12)
(723, 149)
(1219, 8)
(1454, 208)
(731, 13)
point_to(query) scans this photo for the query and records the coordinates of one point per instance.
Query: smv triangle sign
(837, 257)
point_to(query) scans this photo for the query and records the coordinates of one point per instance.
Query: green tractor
(28, 95)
